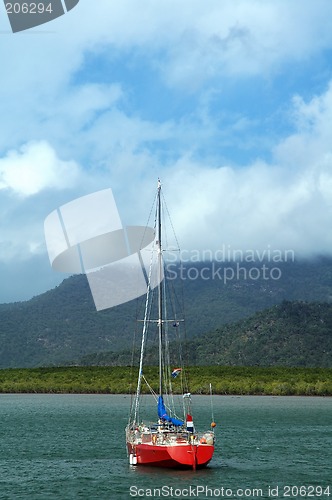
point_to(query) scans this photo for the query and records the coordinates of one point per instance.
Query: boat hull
(193, 456)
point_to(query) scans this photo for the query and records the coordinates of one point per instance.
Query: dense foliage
(120, 380)
(289, 334)
(62, 326)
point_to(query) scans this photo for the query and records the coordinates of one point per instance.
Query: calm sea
(72, 447)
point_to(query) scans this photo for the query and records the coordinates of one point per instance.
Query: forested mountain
(288, 334)
(62, 325)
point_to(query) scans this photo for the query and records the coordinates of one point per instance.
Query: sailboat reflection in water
(168, 440)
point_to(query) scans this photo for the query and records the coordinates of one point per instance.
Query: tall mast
(160, 290)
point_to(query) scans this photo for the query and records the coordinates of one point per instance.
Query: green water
(72, 447)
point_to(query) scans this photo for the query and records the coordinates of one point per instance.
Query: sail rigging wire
(184, 375)
(174, 304)
(135, 400)
(168, 370)
(211, 402)
(170, 220)
(145, 327)
(131, 375)
(154, 394)
(164, 290)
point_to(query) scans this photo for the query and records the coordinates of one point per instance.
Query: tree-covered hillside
(62, 325)
(288, 334)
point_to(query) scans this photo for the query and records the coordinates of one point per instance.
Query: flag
(176, 372)
(190, 423)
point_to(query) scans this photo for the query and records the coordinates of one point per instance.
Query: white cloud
(287, 203)
(81, 105)
(310, 145)
(252, 208)
(58, 104)
(193, 41)
(190, 42)
(36, 167)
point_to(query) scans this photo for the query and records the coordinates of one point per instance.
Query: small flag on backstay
(176, 372)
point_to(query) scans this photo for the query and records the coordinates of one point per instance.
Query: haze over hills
(62, 326)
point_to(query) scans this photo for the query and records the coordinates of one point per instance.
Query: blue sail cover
(162, 413)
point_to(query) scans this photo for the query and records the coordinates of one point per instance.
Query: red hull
(174, 456)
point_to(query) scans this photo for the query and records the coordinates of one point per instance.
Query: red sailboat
(166, 440)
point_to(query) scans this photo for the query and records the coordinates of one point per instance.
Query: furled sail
(162, 413)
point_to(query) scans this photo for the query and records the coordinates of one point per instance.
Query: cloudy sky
(229, 102)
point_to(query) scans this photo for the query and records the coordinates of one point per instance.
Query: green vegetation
(278, 381)
(252, 322)
(288, 334)
(291, 334)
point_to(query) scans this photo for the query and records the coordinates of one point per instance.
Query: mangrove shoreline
(225, 380)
